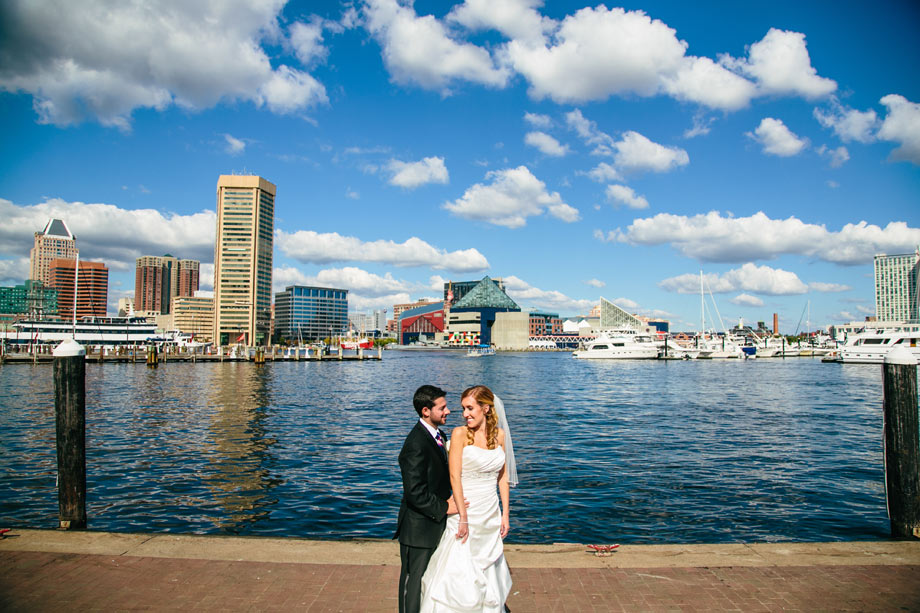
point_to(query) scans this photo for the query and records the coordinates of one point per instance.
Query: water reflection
(238, 449)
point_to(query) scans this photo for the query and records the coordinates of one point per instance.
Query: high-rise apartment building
(310, 313)
(53, 242)
(243, 259)
(159, 280)
(194, 315)
(897, 287)
(92, 288)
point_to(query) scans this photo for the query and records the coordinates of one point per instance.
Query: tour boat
(107, 331)
(480, 351)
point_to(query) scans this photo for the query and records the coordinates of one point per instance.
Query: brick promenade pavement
(47, 570)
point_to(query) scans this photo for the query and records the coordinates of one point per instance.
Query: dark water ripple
(635, 452)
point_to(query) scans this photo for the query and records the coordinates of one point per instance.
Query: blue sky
(577, 150)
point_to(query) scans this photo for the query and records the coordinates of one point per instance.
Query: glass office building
(306, 313)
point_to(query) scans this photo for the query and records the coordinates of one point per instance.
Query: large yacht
(871, 346)
(620, 344)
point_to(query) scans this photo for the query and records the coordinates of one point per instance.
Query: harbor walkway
(45, 570)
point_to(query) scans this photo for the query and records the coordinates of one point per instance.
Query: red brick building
(92, 288)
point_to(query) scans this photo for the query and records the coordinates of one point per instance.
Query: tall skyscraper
(158, 280)
(243, 259)
(897, 287)
(92, 288)
(55, 241)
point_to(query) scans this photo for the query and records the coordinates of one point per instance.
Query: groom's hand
(452, 506)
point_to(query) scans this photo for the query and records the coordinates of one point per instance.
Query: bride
(468, 571)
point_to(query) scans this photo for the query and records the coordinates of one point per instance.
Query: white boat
(619, 344)
(871, 346)
(672, 349)
(108, 331)
(719, 348)
(480, 351)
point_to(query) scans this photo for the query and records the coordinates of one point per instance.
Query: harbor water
(608, 451)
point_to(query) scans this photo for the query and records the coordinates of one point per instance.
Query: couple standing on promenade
(450, 526)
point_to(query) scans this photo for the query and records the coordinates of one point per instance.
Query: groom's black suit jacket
(426, 488)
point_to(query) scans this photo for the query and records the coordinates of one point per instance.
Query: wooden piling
(152, 356)
(70, 423)
(902, 442)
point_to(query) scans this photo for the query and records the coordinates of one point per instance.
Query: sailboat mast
(76, 276)
(702, 306)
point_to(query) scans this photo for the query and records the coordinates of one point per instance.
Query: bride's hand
(463, 531)
(506, 527)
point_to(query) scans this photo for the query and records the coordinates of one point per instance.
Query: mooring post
(70, 422)
(902, 442)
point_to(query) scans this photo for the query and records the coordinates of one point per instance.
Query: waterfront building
(398, 310)
(897, 287)
(158, 280)
(612, 316)
(31, 300)
(454, 291)
(425, 321)
(243, 259)
(194, 315)
(55, 241)
(543, 323)
(92, 286)
(511, 330)
(310, 313)
(470, 319)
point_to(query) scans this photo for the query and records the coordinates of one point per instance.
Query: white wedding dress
(471, 576)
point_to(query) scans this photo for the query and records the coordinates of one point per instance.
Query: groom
(426, 500)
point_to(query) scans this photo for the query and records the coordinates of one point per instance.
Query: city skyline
(777, 149)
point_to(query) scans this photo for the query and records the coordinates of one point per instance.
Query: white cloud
(527, 295)
(546, 144)
(627, 196)
(538, 121)
(711, 237)
(517, 19)
(307, 41)
(604, 172)
(700, 126)
(106, 232)
(902, 125)
(595, 283)
(206, 277)
(597, 53)
(781, 65)
(838, 157)
(352, 194)
(234, 145)
(312, 247)
(777, 139)
(586, 129)
(748, 278)
(636, 152)
(849, 124)
(413, 174)
(747, 300)
(420, 50)
(14, 271)
(513, 195)
(102, 61)
(699, 79)
(819, 286)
